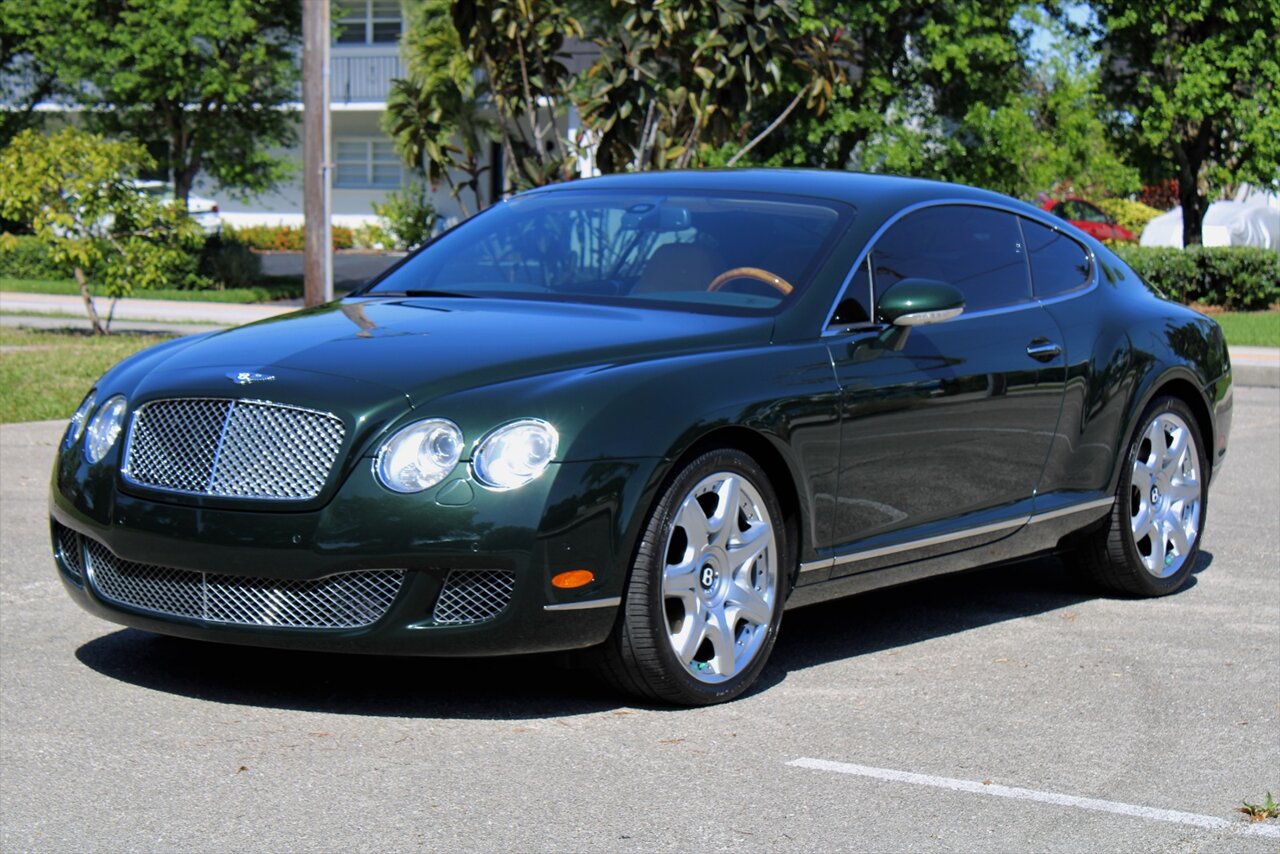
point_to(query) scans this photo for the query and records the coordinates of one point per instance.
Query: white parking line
(1207, 822)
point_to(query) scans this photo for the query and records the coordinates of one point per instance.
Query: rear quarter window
(1058, 263)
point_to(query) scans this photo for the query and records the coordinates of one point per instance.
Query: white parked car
(203, 210)
(1251, 219)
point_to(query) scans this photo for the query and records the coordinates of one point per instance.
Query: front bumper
(577, 516)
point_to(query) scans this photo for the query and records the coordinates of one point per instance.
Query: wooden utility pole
(318, 250)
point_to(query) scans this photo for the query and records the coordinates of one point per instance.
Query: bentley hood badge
(247, 377)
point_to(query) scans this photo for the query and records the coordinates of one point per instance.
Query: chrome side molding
(868, 554)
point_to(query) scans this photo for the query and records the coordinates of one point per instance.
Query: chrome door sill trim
(1074, 508)
(611, 602)
(840, 560)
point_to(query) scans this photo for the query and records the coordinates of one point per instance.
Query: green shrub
(1234, 277)
(409, 216)
(228, 263)
(1131, 215)
(373, 236)
(26, 256)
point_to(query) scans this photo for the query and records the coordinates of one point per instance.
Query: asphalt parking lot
(1007, 709)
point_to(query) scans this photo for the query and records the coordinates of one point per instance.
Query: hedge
(24, 257)
(1233, 277)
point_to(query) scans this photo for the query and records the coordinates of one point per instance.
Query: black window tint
(852, 307)
(979, 250)
(1058, 263)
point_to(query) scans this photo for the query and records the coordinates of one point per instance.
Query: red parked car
(1088, 219)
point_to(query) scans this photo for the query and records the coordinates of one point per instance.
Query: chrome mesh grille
(69, 549)
(232, 448)
(345, 601)
(473, 595)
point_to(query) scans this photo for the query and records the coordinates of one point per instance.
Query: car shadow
(539, 686)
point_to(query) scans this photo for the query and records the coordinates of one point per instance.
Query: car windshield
(735, 253)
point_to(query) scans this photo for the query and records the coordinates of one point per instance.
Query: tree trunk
(98, 327)
(1193, 204)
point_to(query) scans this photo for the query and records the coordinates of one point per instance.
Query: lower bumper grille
(473, 596)
(347, 600)
(69, 549)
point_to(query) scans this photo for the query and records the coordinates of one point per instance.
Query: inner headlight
(76, 428)
(419, 456)
(104, 428)
(515, 454)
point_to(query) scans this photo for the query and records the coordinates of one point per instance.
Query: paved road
(1034, 716)
(350, 269)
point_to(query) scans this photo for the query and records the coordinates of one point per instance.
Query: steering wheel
(783, 286)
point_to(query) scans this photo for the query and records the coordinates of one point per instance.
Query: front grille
(473, 595)
(232, 448)
(69, 549)
(347, 600)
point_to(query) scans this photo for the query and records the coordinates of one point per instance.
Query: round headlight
(513, 455)
(419, 456)
(76, 428)
(104, 428)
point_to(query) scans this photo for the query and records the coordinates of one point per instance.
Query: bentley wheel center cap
(707, 577)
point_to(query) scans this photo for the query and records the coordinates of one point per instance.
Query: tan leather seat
(679, 267)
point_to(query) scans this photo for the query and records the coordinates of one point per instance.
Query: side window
(852, 307)
(979, 250)
(1089, 213)
(1058, 263)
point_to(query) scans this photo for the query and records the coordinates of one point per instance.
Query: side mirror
(916, 302)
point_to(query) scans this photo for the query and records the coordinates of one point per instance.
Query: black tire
(1113, 555)
(640, 656)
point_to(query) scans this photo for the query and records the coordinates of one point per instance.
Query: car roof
(855, 188)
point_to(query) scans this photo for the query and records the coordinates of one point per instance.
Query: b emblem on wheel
(708, 577)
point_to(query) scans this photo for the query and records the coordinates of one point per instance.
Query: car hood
(424, 348)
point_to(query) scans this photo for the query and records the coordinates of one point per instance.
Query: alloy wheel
(720, 577)
(1165, 494)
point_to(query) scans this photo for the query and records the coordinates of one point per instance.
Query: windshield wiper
(415, 292)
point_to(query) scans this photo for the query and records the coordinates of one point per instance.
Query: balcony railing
(353, 79)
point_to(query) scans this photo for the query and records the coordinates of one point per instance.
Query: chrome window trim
(1020, 521)
(611, 602)
(1035, 216)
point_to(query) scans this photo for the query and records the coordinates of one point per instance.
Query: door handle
(1043, 350)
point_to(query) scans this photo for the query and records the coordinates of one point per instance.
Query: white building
(364, 58)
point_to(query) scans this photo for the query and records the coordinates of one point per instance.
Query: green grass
(1250, 328)
(45, 374)
(273, 288)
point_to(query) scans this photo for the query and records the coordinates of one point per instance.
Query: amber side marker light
(573, 578)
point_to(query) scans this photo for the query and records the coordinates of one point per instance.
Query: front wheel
(705, 597)
(1150, 541)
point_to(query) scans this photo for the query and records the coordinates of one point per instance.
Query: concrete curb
(1256, 366)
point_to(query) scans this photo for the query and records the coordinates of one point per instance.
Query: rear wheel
(704, 600)
(1149, 543)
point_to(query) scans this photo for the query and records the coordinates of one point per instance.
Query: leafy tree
(1199, 81)
(73, 187)
(519, 46)
(201, 84)
(24, 81)
(673, 79)
(434, 115)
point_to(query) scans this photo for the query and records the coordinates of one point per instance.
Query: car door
(943, 442)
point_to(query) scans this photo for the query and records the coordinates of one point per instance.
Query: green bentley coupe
(639, 416)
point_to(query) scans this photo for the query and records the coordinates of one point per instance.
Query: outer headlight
(419, 456)
(104, 428)
(515, 454)
(76, 428)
